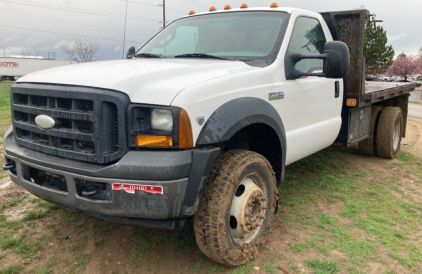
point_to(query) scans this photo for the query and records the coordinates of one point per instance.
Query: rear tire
(367, 146)
(236, 208)
(389, 132)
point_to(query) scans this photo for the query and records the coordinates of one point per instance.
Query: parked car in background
(409, 78)
(369, 77)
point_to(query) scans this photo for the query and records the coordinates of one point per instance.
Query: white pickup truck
(201, 122)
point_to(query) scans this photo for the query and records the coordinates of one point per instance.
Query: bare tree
(82, 51)
(25, 52)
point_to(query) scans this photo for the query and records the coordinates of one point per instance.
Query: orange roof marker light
(227, 7)
(212, 9)
(192, 12)
(244, 6)
(274, 5)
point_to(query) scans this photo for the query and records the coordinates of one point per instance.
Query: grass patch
(107, 229)
(271, 266)
(140, 243)
(34, 214)
(243, 269)
(67, 217)
(322, 266)
(10, 269)
(79, 245)
(79, 265)
(376, 217)
(44, 204)
(98, 242)
(5, 114)
(15, 201)
(45, 270)
(184, 238)
(28, 250)
(415, 102)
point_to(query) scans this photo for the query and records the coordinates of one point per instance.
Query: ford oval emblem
(45, 122)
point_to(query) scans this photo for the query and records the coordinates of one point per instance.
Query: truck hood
(148, 81)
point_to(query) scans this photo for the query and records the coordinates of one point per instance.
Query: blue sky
(41, 26)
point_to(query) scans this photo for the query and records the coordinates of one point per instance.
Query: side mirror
(336, 62)
(130, 52)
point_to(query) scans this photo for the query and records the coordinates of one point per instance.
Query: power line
(67, 34)
(82, 11)
(176, 11)
(70, 22)
(196, 3)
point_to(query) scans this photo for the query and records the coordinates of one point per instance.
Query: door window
(308, 39)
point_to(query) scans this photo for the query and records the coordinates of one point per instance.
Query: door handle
(337, 89)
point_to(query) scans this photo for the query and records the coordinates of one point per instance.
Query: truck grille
(90, 123)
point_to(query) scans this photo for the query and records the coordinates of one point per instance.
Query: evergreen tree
(378, 56)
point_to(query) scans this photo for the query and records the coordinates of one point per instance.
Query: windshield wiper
(149, 55)
(201, 55)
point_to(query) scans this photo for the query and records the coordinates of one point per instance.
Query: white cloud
(395, 37)
(60, 44)
(117, 49)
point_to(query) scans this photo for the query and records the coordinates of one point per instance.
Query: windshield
(234, 35)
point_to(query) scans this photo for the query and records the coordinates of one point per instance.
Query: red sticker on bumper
(130, 188)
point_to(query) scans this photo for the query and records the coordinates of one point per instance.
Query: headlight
(159, 127)
(162, 119)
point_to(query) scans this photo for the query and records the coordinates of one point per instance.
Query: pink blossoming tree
(404, 66)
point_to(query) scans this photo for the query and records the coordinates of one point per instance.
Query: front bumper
(181, 174)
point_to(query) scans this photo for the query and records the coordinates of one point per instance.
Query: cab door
(311, 111)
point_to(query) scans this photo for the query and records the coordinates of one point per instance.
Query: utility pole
(164, 13)
(124, 34)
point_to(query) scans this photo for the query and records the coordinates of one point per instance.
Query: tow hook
(89, 191)
(9, 165)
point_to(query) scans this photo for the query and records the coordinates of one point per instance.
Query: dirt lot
(339, 212)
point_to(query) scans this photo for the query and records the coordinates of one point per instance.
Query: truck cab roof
(280, 9)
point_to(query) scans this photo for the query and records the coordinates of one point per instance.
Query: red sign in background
(9, 64)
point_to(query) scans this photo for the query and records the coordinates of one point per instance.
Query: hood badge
(45, 122)
(200, 120)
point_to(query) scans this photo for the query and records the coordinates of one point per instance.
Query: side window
(308, 38)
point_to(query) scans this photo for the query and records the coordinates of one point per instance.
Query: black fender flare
(236, 114)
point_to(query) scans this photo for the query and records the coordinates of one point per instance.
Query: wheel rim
(248, 209)
(396, 133)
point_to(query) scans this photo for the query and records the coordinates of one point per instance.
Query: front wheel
(236, 207)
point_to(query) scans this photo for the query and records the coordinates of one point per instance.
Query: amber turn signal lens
(154, 141)
(185, 130)
(243, 6)
(274, 5)
(351, 102)
(192, 12)
(227, 7)
(212, 8)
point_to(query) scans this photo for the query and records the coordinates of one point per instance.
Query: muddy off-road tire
(236, 208)
(367, 146)
(389, 132)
